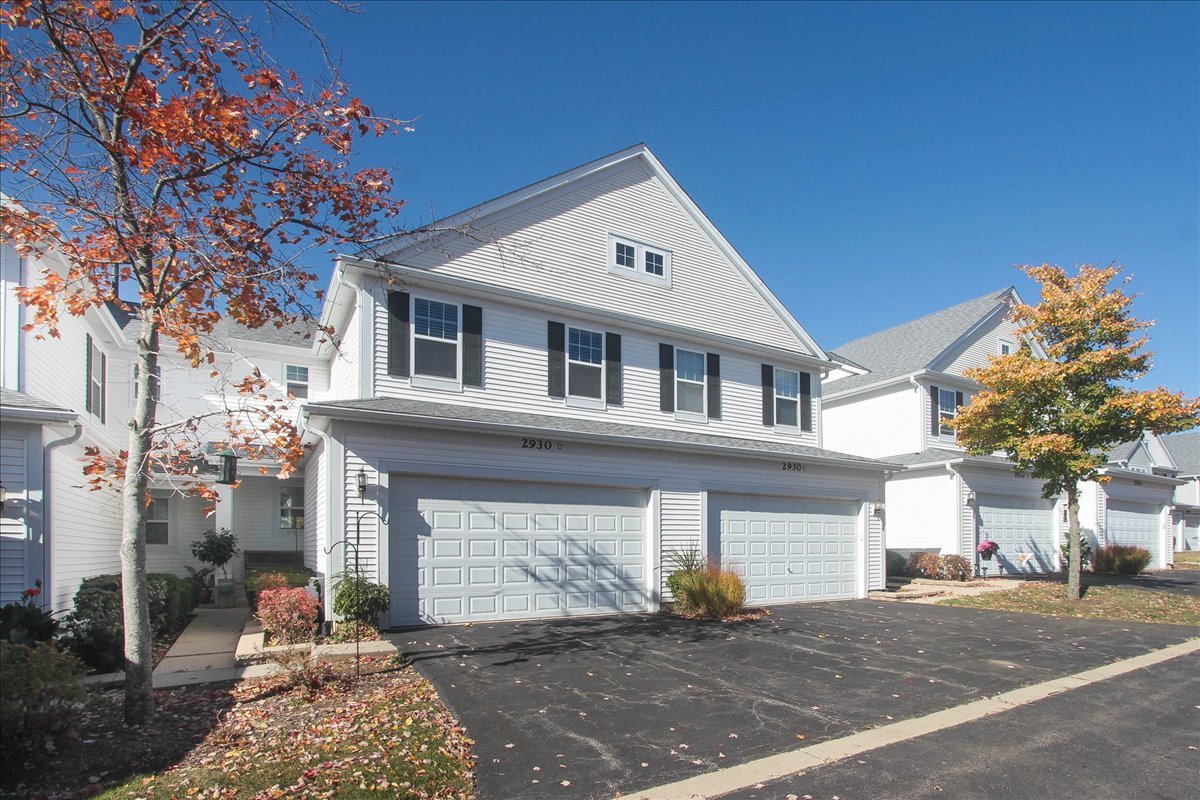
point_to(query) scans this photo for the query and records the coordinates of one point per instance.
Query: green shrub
(955, 568)
(41, 697)
(710, 592)
(361, 599)
(217, 548)
(26, 622)
(1121, 559)
(95, 628)
(897, 564)
(925, 565)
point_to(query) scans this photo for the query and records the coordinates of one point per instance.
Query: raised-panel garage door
(787, 549)
(465, 550)
(1024, 529)
(1135, 524)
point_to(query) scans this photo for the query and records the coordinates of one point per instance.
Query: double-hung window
(585, 363)
(297, 381)
(787, 398)
(96, 378)
(435, 339)
(155, 382)
(158, 516)
(291, 507)
(689, 381)
(947, 411)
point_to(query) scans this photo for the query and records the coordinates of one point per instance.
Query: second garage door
(787, 549)
(1024, 529)
(1135, 524)
(467, 550)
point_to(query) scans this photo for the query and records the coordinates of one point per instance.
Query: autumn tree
(159, 145)
(1058, 417)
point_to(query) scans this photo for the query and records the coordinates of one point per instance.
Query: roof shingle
(1185, 449)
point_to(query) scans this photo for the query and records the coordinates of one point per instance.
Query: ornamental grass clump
(1121, 559)
(289, 616)
(709, 592)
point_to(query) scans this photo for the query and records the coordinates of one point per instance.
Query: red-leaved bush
(288, 615)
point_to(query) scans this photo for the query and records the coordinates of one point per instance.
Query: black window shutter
(472, 323)
(935, 426)
(556, 373)
(398, 321)
(614, 389)
(768, 394)
(714, 386)
(958, 401)
(806, 402)
(666, 378)
(87, 375)
(103, 385)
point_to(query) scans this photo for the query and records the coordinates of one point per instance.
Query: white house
(892, 400)
(59, 396)
(530, 407)
(1185, 522)
(541, 412)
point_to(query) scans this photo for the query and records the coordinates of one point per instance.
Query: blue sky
(872, 162)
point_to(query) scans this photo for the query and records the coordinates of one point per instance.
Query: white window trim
(953, 394)
(775, 399)
(578, 401)
(1012, 346)
(692, 416)
(161, 497)
(638, 271)
(306, 383)
(433, 381)
(282, 508)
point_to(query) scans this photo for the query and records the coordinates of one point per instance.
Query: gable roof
(300, 333)
(1185, 449)
(913, 346)
(491, 209)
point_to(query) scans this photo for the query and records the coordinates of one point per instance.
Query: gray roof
(1123, 451)
(301, 333)
(937, 455)
(911, 346)
(10, 398)
(1185, 449)
(545, 424)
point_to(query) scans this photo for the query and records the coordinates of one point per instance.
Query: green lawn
(1189, 559)
(388, 736)
(1099, 602)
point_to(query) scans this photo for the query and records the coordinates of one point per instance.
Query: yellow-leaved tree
(1057, 417)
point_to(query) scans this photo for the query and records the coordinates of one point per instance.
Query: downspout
(47, 451)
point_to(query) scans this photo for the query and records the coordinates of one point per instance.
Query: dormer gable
(617, 234)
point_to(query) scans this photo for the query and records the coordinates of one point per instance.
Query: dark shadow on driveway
(1175, 581)
(585, 708)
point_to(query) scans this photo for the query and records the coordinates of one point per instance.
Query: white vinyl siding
(878, 424)
(315, 500)
(976, 351)
(516, 358)
(561, 243)
(85, 529)
(14, 527)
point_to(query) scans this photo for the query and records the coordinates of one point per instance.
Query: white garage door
(1191, 530)
(787, 549)
(1135, 524)
(464, 550)
(1024, 529)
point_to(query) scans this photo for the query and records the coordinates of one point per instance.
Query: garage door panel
(1136, 524)
(465, 550)
(787, 549)
(1023, 527)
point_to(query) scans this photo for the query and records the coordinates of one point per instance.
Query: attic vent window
(640, 261)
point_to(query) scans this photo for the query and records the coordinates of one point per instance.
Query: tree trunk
(139, 665)
(1075, 558)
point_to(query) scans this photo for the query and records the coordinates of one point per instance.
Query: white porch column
(223, 520)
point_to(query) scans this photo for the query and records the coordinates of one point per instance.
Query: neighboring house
(892, 399)
(62, 395)
(543, 411)
(1185, 521)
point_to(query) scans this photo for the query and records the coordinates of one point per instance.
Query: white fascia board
(400, 418)
(941, 378)
(417, 277)
(1117, 472)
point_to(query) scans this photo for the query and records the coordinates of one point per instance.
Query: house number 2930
(540, 444)
(792, 466)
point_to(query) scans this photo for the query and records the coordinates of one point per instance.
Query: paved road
(585, 708)
(1177, 581)
(1135, 736)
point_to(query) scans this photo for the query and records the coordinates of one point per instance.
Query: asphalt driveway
(586, 708)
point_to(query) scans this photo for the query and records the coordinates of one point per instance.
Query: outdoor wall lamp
(3, 496)
(228, 473)
(361, 482)
(968, 498)
(877, 508)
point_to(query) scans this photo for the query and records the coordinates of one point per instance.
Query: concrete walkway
(204, 649)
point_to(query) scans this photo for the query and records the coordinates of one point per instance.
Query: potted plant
(986, 549)
(217, 548)
(202, 579)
